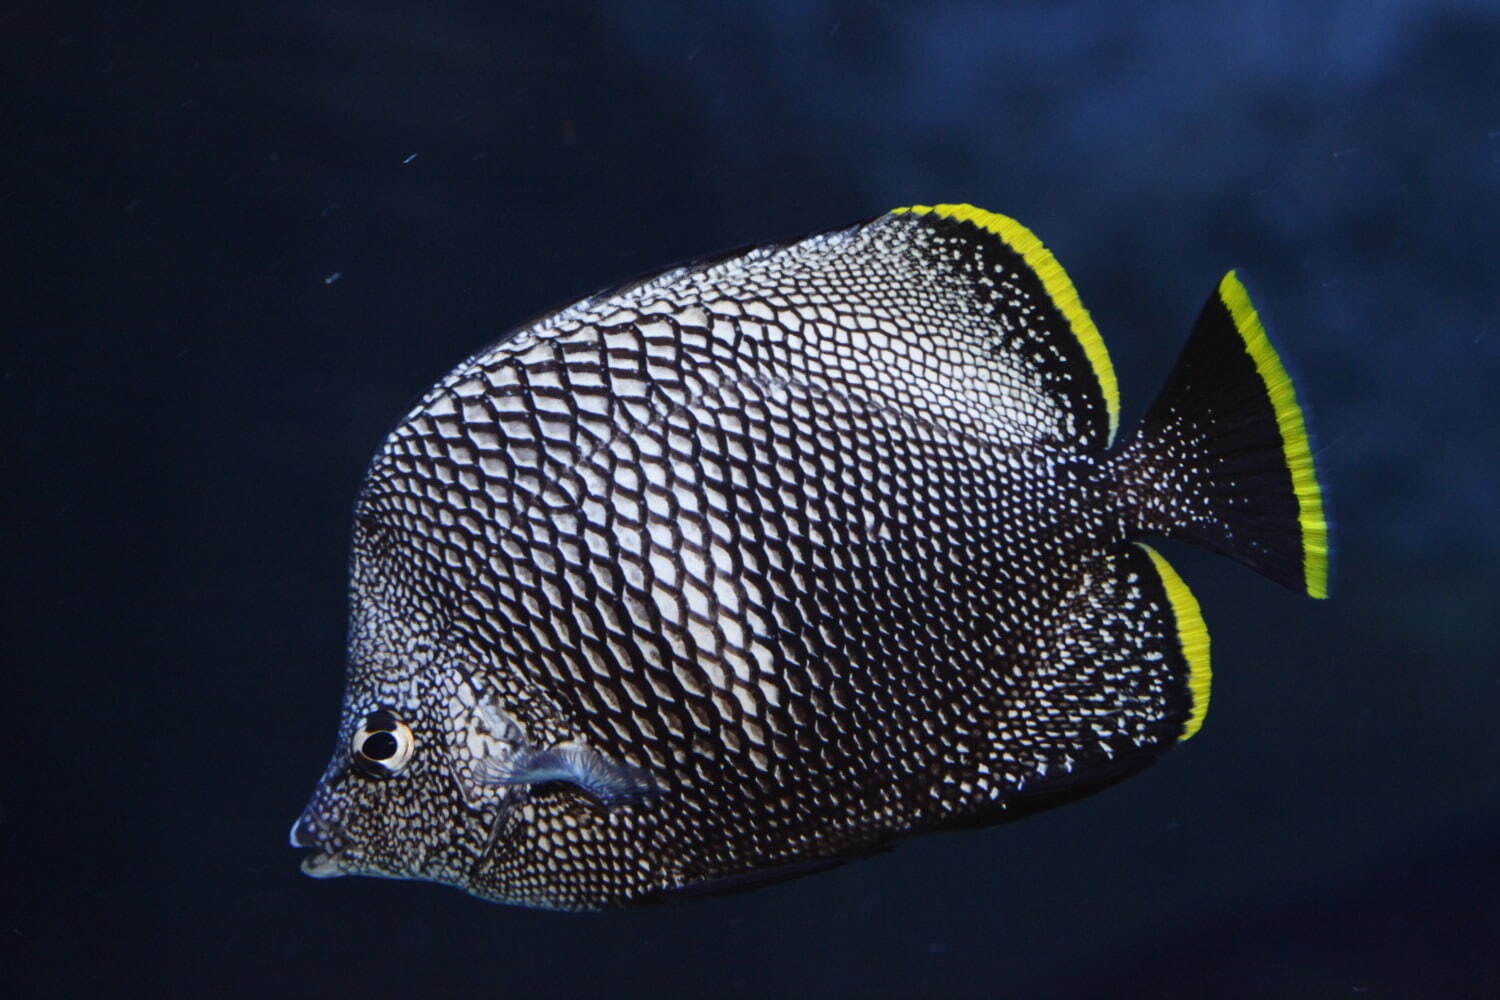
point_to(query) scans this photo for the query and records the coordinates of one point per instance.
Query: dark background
(239, 239)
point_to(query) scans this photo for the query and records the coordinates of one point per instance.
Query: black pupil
(379, 746)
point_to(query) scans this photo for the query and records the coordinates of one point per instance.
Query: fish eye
(382, 745)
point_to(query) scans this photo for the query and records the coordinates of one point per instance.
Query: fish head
(432, 790)
(386, 803)
(455, 762)
(399, 798)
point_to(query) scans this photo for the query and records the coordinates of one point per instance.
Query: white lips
(322, 865)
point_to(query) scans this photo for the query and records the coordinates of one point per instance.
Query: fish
(776, 558)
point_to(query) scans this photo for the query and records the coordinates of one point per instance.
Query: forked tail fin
(1222, 457)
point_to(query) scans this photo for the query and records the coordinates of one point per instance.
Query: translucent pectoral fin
(609, 781)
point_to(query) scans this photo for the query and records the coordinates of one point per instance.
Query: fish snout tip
(303, 833)
(323, 862)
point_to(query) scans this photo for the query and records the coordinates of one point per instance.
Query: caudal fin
(1222, 457)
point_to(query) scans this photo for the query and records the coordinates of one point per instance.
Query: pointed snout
(303, 832)
(308, 835)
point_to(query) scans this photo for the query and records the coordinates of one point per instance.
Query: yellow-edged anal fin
(1057, 283)
(1294, 441)
(1192, 635)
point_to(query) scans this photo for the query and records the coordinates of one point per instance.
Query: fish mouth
(322, 862)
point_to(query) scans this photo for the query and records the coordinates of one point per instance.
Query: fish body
(769, 561)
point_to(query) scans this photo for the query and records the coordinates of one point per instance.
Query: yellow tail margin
(1294, 440)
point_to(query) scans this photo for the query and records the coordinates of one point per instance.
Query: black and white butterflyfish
(764, 563)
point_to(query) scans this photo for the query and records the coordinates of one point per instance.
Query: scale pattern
(822, 537)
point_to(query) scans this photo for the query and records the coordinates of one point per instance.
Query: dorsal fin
(947, 314)
(1041, 300)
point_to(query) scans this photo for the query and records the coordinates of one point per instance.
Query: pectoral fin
(611, 782)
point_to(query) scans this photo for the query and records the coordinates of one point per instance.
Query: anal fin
(1118, 677)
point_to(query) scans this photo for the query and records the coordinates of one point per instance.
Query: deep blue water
(241, 238)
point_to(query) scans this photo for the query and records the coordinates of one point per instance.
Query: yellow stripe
(1055, 280)
(1192, 636)
(1294, 443)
